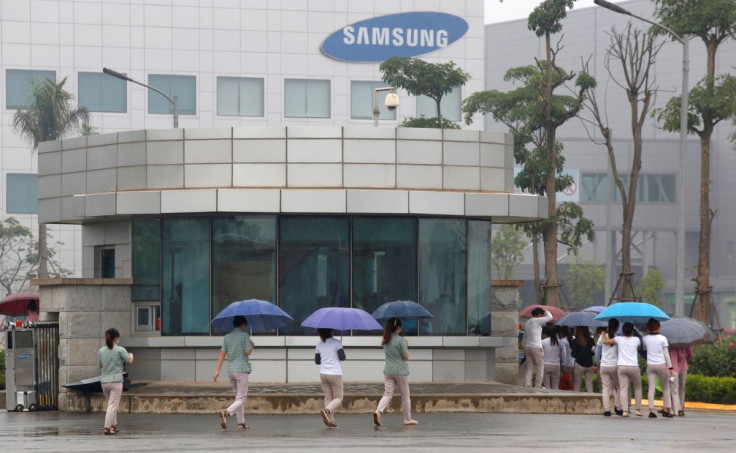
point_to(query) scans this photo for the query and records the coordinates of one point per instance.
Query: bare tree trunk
(552, 285)
(43, 253)
(537, 283)
(702, 303)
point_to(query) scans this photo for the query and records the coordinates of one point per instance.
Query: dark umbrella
(401, 309)
(684, 332)
(261, 315)
(341, 318)
(580, 318)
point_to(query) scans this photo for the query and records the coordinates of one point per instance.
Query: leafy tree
(50, 116)
(19, 257)
(507, 251)
(630, 57)
(650, 287)
(712, 100)
(584, 279)
(420, 78)
(533, 113)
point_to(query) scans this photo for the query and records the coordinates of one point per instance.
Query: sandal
(106, 431)
(242, 426)
(114, 429)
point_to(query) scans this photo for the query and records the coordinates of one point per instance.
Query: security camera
(392, 101)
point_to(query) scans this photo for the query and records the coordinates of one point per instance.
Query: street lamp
(682, 39)
(391, 102)
(174, 102)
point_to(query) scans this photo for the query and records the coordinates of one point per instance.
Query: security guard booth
(32, 366)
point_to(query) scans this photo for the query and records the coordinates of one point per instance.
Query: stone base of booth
(199, 398)
(505, 304)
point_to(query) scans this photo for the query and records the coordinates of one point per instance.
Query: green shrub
(429, 123)
(2, 380)
(717, 359)
(2, 361)
(709, 389)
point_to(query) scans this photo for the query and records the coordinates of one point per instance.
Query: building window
(442, 274)
(146, 260)
(306, 98)
(147, 317)
(185, 87)
(384, 262)
(479, 271)
(105, 262)
(362, 101)
(658, 189)
(186, 276)
(449, 105)
(239, 96)
(595, 187)
(19, 86)
(99, 92)
(314, 262)
(243, 260)
(21, 193)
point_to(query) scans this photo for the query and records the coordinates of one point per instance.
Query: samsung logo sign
(397, 35)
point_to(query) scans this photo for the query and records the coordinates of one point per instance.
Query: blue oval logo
(395, 35)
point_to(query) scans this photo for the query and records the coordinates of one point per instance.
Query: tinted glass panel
(239, 96)
(146, 248)
(21, 193)
(243, 260)
(186, 276)
(185, 87)
(479, 277)
(19, 86)
(442, 274)
(314, 266)
(362, 101)
(99, 92)
(384, 262)
(595, 187)
(306, 98)
(449, 105)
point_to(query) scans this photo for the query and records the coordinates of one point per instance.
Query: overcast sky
(520, 9)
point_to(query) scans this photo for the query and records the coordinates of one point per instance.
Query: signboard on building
(570, 193)
(396, 35)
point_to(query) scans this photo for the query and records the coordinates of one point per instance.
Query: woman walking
(553, 356)
(658, 365)
(607, 358)
(628, 366)
(327, 355)
(237, 346)
(583, 349)
(679, 357)
(396, 371)
(112, 359)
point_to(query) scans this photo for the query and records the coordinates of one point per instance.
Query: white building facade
(276, 185)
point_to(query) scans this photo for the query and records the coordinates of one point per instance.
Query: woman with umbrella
(628, 366)
(607, 358)
(658, 365)
(237, 346)
(327, 355)
(583, 349)
(396, 371)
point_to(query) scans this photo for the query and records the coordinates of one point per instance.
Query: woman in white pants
(328, 354)
(553, 356)
(607, 359)
(396, 372)
(628, 366)
(112, 358)
(658, 365)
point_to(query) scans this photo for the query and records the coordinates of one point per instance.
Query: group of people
(551, 351)
(237, 346)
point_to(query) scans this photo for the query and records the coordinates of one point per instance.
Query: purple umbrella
(341, 318)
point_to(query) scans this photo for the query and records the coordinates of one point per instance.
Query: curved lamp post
(174, 101)
(682, 39)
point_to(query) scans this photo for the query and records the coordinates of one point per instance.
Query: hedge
(703, 389)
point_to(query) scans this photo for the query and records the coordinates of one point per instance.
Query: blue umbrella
(401, 309)
(341, 318)
(632, 312)
(580, 318)
(261, 315)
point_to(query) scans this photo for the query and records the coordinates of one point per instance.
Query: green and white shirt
(395, 351)
(235, 344)
(112, 362)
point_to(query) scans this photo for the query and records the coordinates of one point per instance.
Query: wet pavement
(64, 432)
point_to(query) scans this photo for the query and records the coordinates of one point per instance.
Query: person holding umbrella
(112, 359)
(628, 366)
(237, 346)
(607, 359)
(327, 355)
(533, 345)
(396, 371)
